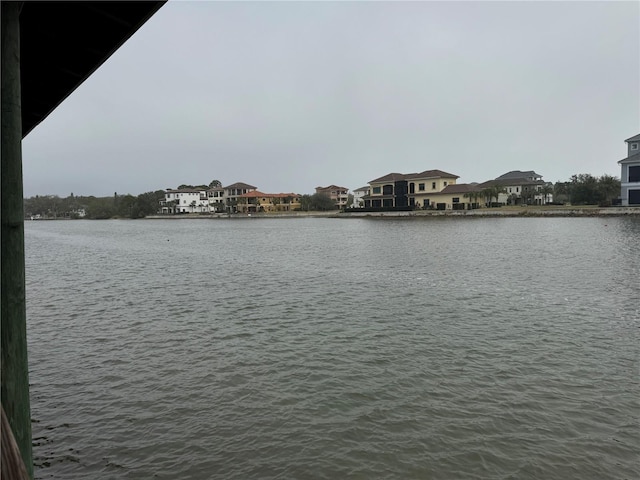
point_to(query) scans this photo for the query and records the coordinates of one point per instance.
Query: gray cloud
(291, 95)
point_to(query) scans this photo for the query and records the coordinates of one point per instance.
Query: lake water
(325, 348)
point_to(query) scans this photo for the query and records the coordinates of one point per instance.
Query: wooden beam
(15, 368)
(11, 465)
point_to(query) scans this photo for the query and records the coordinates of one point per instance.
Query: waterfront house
(398, 190)
(216, 201)
(457, 196)
(185, 200)
(233, 192)
(519, 188)
(358, 195)
(630, 173)
(257, 201)
(421, 186)
(339, 195)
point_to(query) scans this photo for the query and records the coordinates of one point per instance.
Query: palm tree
(473, 196)
(171, 204)
(545, 191)
(527, 195)
(496, 191)
(487, 195)
(288, 200)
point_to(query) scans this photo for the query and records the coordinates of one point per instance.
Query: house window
(445, 184)
(634, 146)
(433, 185)
(421, 187)
(456, 199)
(634, 173)
(517, 189)
(376, 190)
(387, 190)
(412, 188)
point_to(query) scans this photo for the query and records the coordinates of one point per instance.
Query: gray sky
(288, 96)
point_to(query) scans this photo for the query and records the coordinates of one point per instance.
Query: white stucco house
(518, 185)
(630, 173)
(216, 200)
(358, 193)
(185, 201)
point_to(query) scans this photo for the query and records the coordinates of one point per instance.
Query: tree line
(586, 189)
(117, 206)
(127, 206)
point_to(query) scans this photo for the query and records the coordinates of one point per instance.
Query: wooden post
(11, 465)
(15, 369)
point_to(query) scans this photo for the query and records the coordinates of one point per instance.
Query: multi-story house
(630, 173)
(339, 195)
(233, 192)
(520, 187)
(358, 195)
(216, 200)
(387, 191)
(256, 202)
(422, 186)
(185, 200)
(398, 190)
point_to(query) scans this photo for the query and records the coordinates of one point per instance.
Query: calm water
(331, 348)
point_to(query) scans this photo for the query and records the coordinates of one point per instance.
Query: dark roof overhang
(63, 43)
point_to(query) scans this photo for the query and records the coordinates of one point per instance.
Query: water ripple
(335, 349)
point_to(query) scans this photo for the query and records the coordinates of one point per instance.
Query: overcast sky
(288, 96)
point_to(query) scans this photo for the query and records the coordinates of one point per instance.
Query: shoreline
(496, 212)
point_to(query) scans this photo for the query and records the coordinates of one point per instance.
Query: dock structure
(48, 50)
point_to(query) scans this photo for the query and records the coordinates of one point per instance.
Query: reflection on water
(328, 348)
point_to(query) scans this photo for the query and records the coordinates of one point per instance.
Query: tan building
(339, 195)
(399, 190)
(256, 202)
(233, 192)
(461, 196)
